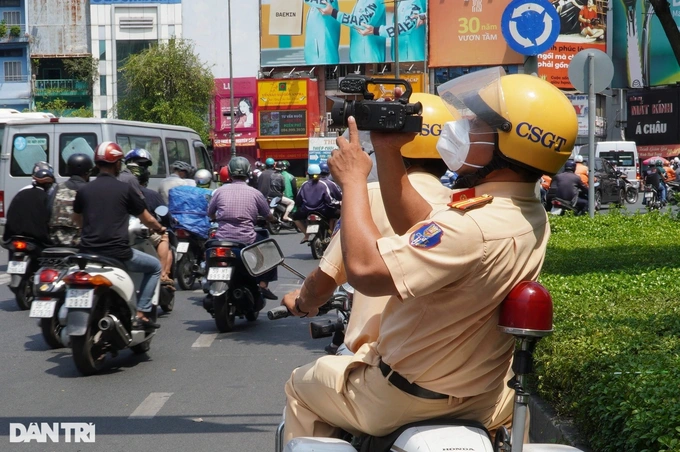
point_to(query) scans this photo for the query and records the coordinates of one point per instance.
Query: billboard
(580, 103)
(323, 32)
(468, 33)
(283, 123)
(320, 149)
(582, 26)
(280, 93)
(652, 121)
(641, 52)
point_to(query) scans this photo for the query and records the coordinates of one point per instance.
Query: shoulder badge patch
(427, 236)
(471, 203)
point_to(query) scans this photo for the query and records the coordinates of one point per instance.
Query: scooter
(22, 265)
(560, 206)
(190, 255)
(278, 210)
(319, 232)
(526, 313)
(101, 305)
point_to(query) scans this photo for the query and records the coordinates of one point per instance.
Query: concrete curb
(546, 427)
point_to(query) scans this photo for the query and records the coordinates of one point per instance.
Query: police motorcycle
(319, 232)
(100, 305)
(526, 313)
(278, 210)
(22, 265)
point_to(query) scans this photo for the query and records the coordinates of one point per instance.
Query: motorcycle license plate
(648, 195)
(220, 273)
(79, 298)
(16, 267)
(556, 211)
(42, 308)
(182, 247)
(312, 229)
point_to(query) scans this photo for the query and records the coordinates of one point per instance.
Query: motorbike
(50, 293)
(22, 265)
(651, 198)
(100, 305)
(319, 232)
(630, 190)
(278, 210)
(526, 313)
(560, 206)
(190, 255)
(672, 192)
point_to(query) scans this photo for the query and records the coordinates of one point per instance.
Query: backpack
(63, 231)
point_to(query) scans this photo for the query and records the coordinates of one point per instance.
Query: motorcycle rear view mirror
(161, 211)
(261, 257)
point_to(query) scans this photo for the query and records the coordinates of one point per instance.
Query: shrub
(613, 364)
(3, 29)
(15, 31)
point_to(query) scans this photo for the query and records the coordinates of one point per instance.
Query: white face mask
(454, 144)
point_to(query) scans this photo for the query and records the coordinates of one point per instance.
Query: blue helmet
(570, 165)
(314, 170)
(269, 162)
(139, 156)
(324, 168)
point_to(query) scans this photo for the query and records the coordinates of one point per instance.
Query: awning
(222, 139)
(663, 150)
(283, 143)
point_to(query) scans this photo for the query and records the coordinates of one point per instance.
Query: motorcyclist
(290, 183)
(336, 193)
(224, 175)
(181, 175)
(203, 178)
(438, 351)
(314, 196)
(137, 163)
(654, 178)
(28, 213)
(63, 231)
(570, 187)
(189, 205)
(235, 207)
(581, 169)
(103, 208)
(264, 180)
(278, 190)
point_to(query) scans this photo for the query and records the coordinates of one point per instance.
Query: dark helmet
(239, 167)
(324, 168)
(181, 166)
(570, 165)
(43, 176)
(278, 166)
(139, 156)
(286, 164)
(79, 165)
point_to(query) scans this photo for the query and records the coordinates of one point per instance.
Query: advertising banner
(580, 103)
(641, 52)
(277, 93)
(468, 33)
(284, 123)
(245, 89)
(320, 149)
(341, 32)
(653, 119)
(582, 26)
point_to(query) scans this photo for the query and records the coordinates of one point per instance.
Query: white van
(623, 154)
(25, 141)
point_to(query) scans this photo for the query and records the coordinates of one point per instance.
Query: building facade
(15, 86)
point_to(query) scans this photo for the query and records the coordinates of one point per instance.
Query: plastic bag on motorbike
(189, 207)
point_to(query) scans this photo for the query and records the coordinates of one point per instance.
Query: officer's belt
(410, 388)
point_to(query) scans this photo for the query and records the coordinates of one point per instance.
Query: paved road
(196, 390)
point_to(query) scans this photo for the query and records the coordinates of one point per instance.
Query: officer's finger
(353, 131)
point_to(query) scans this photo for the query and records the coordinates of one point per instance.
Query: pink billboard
(245, 104)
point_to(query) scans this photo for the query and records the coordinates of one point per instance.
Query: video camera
(380, 115)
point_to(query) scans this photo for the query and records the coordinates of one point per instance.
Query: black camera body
(380, 115)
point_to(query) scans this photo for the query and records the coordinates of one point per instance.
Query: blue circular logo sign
(20, 143)
(530, 27)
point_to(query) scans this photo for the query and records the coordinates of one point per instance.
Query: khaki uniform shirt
(452, 273)
(365, 318)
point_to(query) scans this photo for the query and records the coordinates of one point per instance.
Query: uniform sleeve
(331, 262)
(135, 204)
(433, 254)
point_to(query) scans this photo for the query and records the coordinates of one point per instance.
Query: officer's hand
(289, 302)
(350, 164)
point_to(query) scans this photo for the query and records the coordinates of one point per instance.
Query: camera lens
(341, 110)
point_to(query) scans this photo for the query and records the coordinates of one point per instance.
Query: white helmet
(578, 158)
(676, 159)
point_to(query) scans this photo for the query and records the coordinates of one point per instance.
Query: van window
(202, 159)
(151, 144)
(177, 150)
(27, 150)
(75, 143)
(620, 158)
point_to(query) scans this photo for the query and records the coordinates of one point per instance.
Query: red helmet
(224, 174)
(108, 152)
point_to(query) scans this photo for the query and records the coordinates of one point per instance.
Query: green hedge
(613, 363)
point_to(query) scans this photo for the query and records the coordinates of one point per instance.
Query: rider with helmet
(203, 178)
(336, 193)
(235, 207)
(28, 213)
(181, 175)
(570, 187)
(224, 175)
(446, 271)
(103, 208)
(314, 196)
(63, 231)
(277, 189)
(137, 163)
(189, 205)
(290, 183)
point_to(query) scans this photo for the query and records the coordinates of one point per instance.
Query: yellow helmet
(535, 122)
(435, 115)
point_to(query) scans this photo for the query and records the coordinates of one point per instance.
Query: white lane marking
(5, 279)
(151, 405)
(205, 340)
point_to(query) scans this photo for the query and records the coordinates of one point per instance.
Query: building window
(103, 113)
(9, 3)
(13, 71)
(102, 50)
(12, 17)
(102, 85)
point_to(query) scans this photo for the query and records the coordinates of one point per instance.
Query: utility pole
(396, 39)
(663, 12)
(232, 138)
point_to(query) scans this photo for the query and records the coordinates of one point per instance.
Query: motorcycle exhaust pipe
(119, 336)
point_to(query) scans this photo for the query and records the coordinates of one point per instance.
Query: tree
(167, 83)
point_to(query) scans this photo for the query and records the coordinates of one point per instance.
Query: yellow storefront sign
(281, 93)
